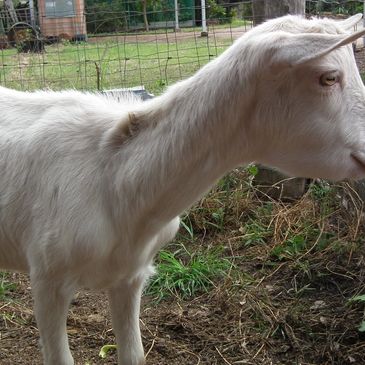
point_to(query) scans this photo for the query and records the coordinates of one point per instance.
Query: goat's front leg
(51, 302)
(125, 300)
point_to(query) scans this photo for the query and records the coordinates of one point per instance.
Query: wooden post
(274, 184)
(145, 19)
(274, 9)
(268, 9)
(258, 11)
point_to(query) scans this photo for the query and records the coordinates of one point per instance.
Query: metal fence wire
(106, 44)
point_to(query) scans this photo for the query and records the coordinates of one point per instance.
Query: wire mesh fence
(121, 43)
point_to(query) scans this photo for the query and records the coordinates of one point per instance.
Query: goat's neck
(198, 137)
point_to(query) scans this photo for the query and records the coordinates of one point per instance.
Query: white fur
(91, 187)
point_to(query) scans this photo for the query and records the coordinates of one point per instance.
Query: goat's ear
(296, 49)
(349, 23)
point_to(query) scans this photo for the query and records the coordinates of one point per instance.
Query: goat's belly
(12, 257)
(102, 276)
(101, 264)
(128, 260)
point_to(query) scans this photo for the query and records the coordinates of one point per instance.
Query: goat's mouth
(359, 158)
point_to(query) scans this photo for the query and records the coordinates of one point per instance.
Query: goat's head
(310, 114)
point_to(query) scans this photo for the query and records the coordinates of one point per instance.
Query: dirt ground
(283, 315)
(216, 32)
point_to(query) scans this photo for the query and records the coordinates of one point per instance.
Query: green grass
(185, 274)
(255, 232)
(6, 286)
(360, 299)
(154, 64)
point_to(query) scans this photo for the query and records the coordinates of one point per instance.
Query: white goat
(91, 188)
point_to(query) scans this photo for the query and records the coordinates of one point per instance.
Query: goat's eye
(329, 79)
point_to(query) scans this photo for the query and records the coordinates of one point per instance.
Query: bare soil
(170, 36)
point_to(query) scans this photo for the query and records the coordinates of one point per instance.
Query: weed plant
(185, 274)
(6, 286)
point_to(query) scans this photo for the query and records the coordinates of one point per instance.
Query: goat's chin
(358, 160)
(351, 169)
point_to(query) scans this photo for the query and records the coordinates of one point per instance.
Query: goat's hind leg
(125, 300)
(52, 298)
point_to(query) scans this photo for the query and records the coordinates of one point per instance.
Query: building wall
(65, 25)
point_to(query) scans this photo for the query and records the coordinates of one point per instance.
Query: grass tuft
(6, 286)
(184, 274)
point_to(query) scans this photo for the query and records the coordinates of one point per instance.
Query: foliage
(215, 11)
(185, 274)
(361, 299)
(105, 350)
(6, 286)
(220, 11)
(246, 10)
(108, 16)
(105, 16)
(346, 7)
(255, 232)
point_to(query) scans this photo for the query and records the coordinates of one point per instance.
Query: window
(60, 8)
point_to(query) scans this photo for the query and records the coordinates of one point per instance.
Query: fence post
(31, 11)
(177, 27)
(363, 22)
(204, 32)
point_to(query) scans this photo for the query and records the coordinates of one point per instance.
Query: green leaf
(362, 327)
(105, 349)
(358, 298)
(188, 229)
(252, 170)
